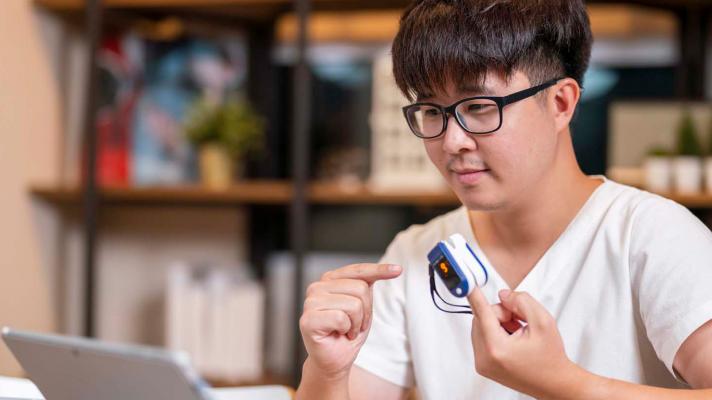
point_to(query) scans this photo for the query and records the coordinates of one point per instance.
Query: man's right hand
(337, 316)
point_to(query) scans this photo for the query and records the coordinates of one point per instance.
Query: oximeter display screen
(447, 273)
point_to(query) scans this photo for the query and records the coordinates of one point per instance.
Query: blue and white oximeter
(457, 265)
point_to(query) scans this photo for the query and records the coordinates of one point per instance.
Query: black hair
(461, 41)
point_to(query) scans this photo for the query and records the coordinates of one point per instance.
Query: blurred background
(175, 172)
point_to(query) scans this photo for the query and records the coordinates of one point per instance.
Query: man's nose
(455, 139)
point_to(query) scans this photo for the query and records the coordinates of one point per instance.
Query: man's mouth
(469, 176)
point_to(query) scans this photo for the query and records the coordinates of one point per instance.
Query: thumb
(525, 307)
(478, 302)
(482, 311)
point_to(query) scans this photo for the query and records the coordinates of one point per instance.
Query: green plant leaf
(687, 142)
(234, 124)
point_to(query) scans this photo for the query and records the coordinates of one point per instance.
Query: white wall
(29, 135)
(636, 127)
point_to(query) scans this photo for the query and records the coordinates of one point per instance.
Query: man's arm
(359, 385)
(532, 359)
(363, 385)
(693, 362)
(335, 323)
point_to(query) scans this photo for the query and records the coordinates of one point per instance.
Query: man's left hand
(517, 344)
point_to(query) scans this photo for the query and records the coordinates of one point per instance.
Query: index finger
(365, 272)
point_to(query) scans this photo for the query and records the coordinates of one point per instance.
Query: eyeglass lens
(475, 116)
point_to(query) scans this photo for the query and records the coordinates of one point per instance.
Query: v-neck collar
(529, 283)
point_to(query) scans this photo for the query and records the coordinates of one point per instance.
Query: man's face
(498, 170)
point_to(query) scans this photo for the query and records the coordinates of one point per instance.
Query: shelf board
(280, 193)
(250, 192)
(331, 193)
(67, 5)
(257, 192)
(698, 200)
(267, 379)
(244, 5)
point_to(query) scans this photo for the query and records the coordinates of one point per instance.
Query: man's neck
(540, 218)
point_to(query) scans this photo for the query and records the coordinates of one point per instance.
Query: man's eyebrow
(475, 88)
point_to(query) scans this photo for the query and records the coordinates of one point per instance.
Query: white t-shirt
(628, 281)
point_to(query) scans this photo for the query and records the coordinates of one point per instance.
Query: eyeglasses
(479, 115)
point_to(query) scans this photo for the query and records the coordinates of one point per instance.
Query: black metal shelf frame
(298, 217)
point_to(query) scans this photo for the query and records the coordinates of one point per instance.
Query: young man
(614, 283)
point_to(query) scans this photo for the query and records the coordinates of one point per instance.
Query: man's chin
(478, 200)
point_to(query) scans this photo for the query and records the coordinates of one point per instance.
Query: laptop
(72, 368)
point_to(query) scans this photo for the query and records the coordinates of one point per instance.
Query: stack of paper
(217, 317)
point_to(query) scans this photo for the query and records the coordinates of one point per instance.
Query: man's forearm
(315, 386)
(589, 386)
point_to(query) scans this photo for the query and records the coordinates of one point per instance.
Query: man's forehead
(462, 89)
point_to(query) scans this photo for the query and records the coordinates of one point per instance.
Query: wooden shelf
(280, 193)
(699, 200)
(251, 192)
(256, 192)
(330, 193)
(68, 5)
(267, 379)
(219, 11)
(247, 8)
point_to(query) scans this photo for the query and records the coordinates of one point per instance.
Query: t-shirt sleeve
(386, 352)
(671, 273)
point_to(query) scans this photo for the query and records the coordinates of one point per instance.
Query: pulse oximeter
(457, 265)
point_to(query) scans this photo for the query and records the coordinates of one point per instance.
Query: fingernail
(505, 293)
(394, 268)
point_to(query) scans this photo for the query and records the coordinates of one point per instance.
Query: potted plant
(224, 134)
(658, 170)
(687, 165)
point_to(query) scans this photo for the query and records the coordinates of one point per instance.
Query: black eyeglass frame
(501, 101)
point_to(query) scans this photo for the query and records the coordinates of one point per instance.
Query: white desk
(24, 389)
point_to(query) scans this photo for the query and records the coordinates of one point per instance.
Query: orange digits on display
(444, 268)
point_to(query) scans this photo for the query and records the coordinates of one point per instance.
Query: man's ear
(563, 98)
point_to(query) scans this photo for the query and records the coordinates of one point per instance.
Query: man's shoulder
(653, 219)
(632, 202)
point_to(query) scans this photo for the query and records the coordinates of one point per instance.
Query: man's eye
(433, 112)
(474, 108)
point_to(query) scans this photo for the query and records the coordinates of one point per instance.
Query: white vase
(708, 174)
(688, 174)
(658, 173)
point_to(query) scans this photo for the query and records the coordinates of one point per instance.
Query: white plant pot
(688, 174)
(708, 174)
(658, 173)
